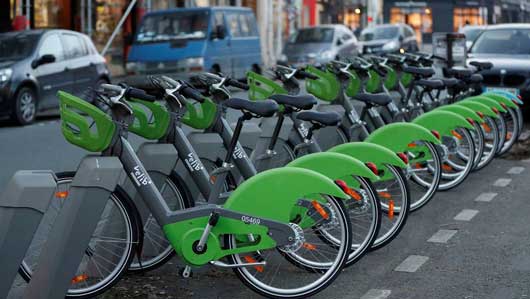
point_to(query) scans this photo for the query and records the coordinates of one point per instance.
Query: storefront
(431, 16)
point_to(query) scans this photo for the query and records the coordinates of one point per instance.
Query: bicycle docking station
(95, 179)
(22, 206)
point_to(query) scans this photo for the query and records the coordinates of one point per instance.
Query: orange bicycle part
(251, 260)
(320, 209)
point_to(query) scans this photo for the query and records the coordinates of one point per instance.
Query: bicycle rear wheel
(459, 159)
(512, 130)
(423, 173)
(280, 277)
(490, 131)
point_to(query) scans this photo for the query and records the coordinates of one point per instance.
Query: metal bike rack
(22, 206)
(90, 189)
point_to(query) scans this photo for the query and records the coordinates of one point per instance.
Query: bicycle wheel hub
(297, 242)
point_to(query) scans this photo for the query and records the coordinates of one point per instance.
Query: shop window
(419, 18)
(463, 16)
(352, 19)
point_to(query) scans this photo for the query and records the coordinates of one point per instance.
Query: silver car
(319, 44)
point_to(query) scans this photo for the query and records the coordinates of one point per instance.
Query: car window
(73, 46)
(244, 26)
(313, 35)
(233, 24)
(251, 21)
(408, 32)
(503, 41)
(52, 45)
(378, 33)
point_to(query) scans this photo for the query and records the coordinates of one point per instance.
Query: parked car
(319, 44)
(388, 38)
(35, 64)
(471, 32)
(507, 47)
(184, 41)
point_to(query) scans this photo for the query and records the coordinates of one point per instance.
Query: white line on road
(442, 236)
(502, 182)
(466, 215)
(515, 170)
(486, 197)
(376, 294)
(412, 263)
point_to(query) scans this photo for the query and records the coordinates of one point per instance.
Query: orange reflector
(413, 144)
(213, 178)
(436, 133)
(390, 209)
(480, 114)
(352, 193)
(385, 195)
(417, 165)
(446, 167)
(470, 120)
(250, 260)
(495, 110)
(455, 133)
(320, 209)
(508, 135)
(486, 127)
(309, 246)
(372, 167)
(61, 194)
(519, 97)
(79, 278)
(504, 106)
(403, 157)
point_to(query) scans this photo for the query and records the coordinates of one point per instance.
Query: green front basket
(325, 88)
(151, 119)
(261, 87)
(200, 116)
(95, 135)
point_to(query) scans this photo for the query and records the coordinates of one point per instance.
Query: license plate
(514, 91)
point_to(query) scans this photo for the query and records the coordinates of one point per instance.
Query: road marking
(515, 170)
(466, 215)
(412, 263)
(442, 236)
(486, 197)
(502, 182)
(376, 294)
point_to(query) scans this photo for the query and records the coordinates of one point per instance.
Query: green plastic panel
(200, 115)
(373, 84)
(501, 99)
(477, 107)
(462, 111)
(325, 88)
(406, 79)
(487, 101)
(442, 121)
(151, 119)
(355, 84)
(391, 78)
(397, 136)
(76, 127)
(261, 87)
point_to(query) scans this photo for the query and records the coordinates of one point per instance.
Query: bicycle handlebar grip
(111, 87)
(190, 92)
(140, 94)
(303, 74)
(237, 84)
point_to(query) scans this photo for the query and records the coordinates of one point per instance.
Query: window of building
(419, 18)
(463, 16)
(52, 45)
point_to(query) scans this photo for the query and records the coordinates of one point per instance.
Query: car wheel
(25, 106)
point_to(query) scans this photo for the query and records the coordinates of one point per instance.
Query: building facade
(430, 16)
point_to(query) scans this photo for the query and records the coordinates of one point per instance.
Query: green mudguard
(272, 193)
(501, 99)
(462, 111)
(371, 152)
(334, 165)
(397, 136)
(442, 121)
(487, 101)
(477, 107)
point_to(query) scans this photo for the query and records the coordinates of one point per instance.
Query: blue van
(190, 40)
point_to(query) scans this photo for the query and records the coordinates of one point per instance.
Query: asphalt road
(455, 247)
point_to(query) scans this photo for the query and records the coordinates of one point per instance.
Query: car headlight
(391, 46)
(5, 74)
(327, 55)
(194, 64)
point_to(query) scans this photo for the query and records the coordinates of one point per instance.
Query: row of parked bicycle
(312, 183)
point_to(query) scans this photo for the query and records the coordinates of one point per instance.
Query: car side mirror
(44, 59)
(218, 32)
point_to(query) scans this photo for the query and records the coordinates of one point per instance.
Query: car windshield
(312, 35)
(503, 41)
(16, 47)
(472, 33)
(379, 33)
(172, 26)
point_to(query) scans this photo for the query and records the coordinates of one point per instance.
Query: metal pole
(118, 27)
(279, 28)
(28, 15)
(82, 9)
(89, 17)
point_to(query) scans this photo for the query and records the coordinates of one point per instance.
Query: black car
(507, 47)
(35, 64)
